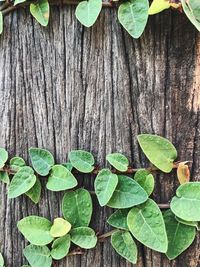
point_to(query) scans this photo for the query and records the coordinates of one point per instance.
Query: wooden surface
(68, 87)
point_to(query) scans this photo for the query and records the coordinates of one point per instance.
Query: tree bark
(66, 87)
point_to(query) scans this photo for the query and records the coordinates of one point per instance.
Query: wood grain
(65, 87)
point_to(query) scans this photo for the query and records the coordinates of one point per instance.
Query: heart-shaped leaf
(36, 230)
(105, 184)
(60, 247)
(35, 192)
(82, 160)
(119, 219)
(38, 256)
(17, 163)
(119, 161)
(158, 150)
(40, 11)
(60, 179)
(60, 227)
(22, 182)
(183, 173)
(147, 225)
(186, 203)
(1, 260)
(3, 157)
(4, 177)
(180, 236)
(128, 193)
(77, 207)
(145, 180)
(192, 11)
(133, 15)
(158, 6)
(87, 12)
(124, 245)
(83, 237)
(42, 160)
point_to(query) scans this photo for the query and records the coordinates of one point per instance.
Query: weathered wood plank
(68, 87)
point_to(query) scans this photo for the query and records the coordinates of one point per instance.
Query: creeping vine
(121, 187)
(132, 14)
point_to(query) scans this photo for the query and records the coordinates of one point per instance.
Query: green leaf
(190, 223)
(82, 160)
(124, 245)
(60, 227)
(158, 150)
(105, 184)
(158, 6)
(60, 247)
(133, 16)
(22, 182)
(192, 11)
(1, 25)
(60, 179)
(87, 12)
(180, 236)
(4, 177)
(40, 11)
(42, 160)
(1, 260)
(145, 180)
(186, 203)
(118, 161)
(38, 256)
(119, 219)
(147, 225)
(35, 192)
(128, 193)
(17, 2)
(84, 237)
(36, 230)
(3, 157)
(68, 165)
(17, 163)
(77, 207)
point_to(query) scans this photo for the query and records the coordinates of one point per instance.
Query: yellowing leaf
(183, 173)
(158, 6)
(60, 227)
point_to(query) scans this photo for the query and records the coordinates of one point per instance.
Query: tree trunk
(66, 87)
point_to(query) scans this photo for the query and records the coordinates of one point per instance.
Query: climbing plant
(137, 218)
(132, 14)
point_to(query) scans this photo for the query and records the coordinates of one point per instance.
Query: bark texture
(66, 87)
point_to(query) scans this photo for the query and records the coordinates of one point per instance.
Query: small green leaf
(119, 219)
(1, 25)
(60, 179)
(118, 161)
(146, 224)
(4, 177)
(38, 256)
(60, 247)
(87, 12)
(77, 207)
(145, 180)
(35, 192)
(1, 260)
(192, 11)
(42, 160)
(128, 193)
(158, 6)
(36, 230)
(180, 236)
(40, 11)
(84, 237)
(82, 160)
(17, 163)
(68, 165)
(22, 182)
(3, 157)
(60, 227)
(158, 150)
(124, 245)
(17, 2)
(186, 203)
(105, 184)
(133, 15)
(190, 223)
